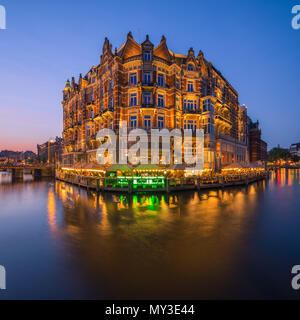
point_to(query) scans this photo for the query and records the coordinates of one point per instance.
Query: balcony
(226, 137)
(108, 109)
(187, 111)
(222, 118)
(148, 84)
(90, 103)
(148, 105)
(155, 58)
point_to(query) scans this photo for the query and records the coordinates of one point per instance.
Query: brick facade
(146, 85)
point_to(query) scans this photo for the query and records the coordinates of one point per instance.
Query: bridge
(285, 166)
(38, 171)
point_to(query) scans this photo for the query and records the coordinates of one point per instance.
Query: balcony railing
(148, 84)
(191, 111)
(161, 60)
(220, 117)
(139, 57)
(111, 109)
(89, 103)
(148, 105)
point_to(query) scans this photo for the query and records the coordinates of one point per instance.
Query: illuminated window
(133, 122)
(147, 98)
(177, 103)
(161, 100)
(209, 127)
(161, 122)
(190, 124)
(160, 80)
(190, 105)
(111, 102)
(208, 105)
(147, 122)
(190, 86)
(133, 100)
(147, 56)
(133, 78)
(147, 77)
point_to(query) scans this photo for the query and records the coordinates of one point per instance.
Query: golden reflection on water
(285, 177)
(51, 205)
(154, 239)
(149, 245)
(177, 245)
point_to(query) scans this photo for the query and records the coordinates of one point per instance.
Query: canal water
(57, 241)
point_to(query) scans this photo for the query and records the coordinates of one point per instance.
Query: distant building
(7, 156)
(50, 151)
(3, 160)
(257, 147)
(295, 149)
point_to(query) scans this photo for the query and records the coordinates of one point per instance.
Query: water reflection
(6, 177)
(208, 244)
(158, 245)
(51, 209)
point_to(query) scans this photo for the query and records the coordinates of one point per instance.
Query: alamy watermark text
(2, 17)
(2, 278)
(296, 18)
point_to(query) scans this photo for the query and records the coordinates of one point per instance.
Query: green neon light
(137, 182)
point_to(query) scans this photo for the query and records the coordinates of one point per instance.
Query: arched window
(190, 67)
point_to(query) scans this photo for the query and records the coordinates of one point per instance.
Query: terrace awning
(118, 167)
(177, 167)
(148, 167)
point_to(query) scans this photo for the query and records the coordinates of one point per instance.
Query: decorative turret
(67, 86)
(200, 55)
(105, 45)
(191, 52)
(147, 44)
(73, 82)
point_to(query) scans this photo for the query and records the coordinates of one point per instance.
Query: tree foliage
(280, 153)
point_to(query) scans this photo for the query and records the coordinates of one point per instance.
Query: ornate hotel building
(152, 87)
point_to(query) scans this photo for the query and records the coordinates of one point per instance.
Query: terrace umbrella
(235, 165)
(177, 167)
(256, 165)
(93, 166)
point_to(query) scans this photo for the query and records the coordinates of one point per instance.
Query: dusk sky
(46, 42)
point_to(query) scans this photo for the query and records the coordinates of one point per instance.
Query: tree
(279, 153)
